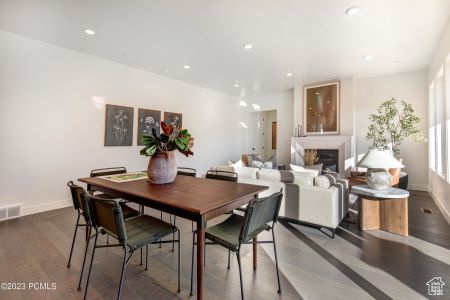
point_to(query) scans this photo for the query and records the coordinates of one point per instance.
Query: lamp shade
(377, 159)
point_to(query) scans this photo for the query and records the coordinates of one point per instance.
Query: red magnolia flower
(191, 142)
(187, 152)
(167, 129)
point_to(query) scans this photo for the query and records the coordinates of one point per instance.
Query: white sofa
(303, 202)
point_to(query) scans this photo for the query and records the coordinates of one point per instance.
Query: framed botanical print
(148, 119)
(321, 108)
(119, 125)
(175, 119)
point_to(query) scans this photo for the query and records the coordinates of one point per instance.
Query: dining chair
(106, 216)
(108, 172)
(183, 172)
(77, 193)
(237, 230)
(187, 171)
(105, 172)
(222, 175)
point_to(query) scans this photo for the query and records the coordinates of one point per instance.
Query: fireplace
(337, 149)
(329, 158)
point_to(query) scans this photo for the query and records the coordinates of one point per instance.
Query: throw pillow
(315, 167)
(239, 163)
(269, 175)
(322, 181)
(271, 163)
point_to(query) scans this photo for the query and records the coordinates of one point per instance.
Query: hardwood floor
(356, 265)
(35, 249)
(368, 264)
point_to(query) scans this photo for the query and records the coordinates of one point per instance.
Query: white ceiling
(314, 39)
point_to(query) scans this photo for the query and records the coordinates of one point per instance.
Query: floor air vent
(10, 212)
(427, 210)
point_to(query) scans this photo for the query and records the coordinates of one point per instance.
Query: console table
(385, 210)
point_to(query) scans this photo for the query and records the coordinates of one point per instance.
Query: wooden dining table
(192, 198)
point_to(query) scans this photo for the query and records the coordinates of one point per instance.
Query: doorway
(262, 133)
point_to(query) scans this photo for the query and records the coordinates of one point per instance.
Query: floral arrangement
(393, 123)
(170, 140)
(311, 157)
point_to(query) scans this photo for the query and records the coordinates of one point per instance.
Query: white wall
(52, 118)
(439, 188)
(283, 103)
(411, 87)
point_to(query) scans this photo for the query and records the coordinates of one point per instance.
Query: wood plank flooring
(354, 265)
(368, 264)
(36, 248)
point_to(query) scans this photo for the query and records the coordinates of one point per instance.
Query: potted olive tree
(394, 122)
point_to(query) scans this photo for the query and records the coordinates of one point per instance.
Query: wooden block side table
(385, 210)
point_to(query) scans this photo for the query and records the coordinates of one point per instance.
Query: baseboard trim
(440, 205)
(37, 208)
(418, 187)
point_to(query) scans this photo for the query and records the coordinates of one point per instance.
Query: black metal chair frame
(105, 172)
(242, 241)
(183, 172)
(222, 175)
(79, 206)
(128, 253)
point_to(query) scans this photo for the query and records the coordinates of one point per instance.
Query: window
(439, 121)
(439, 98)
(431, 129)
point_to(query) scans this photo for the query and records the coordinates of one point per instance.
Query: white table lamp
(377, 161)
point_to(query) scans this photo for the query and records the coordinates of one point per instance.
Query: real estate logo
(436, 287)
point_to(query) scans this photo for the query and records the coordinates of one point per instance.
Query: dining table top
(191, 194)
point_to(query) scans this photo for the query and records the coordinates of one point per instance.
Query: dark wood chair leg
(192, 263)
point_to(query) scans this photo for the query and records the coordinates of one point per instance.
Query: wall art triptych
(119, 124)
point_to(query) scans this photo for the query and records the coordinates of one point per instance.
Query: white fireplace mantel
(342, 143)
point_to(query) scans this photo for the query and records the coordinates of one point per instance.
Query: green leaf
(151, 150)
(180, 145)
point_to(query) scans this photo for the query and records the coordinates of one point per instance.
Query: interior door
(256, 133)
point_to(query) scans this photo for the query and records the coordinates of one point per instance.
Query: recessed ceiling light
(289, 74)
(187, 67)
(243, 103)
(236, 85)
(353, 10)
(248, 46)
(317, 93)
(256, 106)
(89, 31)
(367, 57)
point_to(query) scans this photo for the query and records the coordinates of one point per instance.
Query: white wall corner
(46, 206)
(418, 187)
(440, 204)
